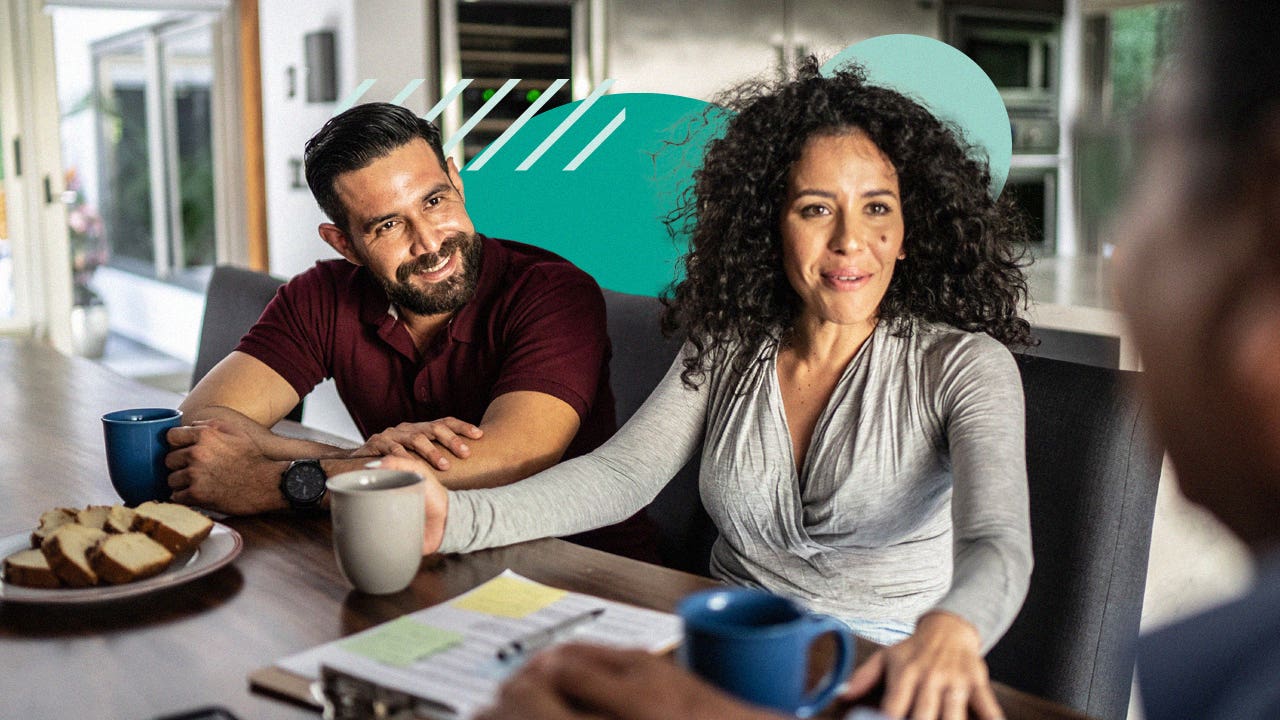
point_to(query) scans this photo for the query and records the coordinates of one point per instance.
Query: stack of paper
(448, 655)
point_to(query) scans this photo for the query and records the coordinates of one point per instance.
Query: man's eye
(434, 201)
(387, 226)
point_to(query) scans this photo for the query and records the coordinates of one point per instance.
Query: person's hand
(576, 682)
(217, 464)
(437, 510)
(938, 672)
(424, 440)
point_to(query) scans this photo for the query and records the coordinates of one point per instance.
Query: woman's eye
(878, 209)
(813, 211)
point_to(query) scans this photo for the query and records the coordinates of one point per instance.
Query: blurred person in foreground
(1199, 277)
(850, 292)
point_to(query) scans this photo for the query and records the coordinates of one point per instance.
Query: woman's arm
(939, 670)
(985, 426)
(604, 487)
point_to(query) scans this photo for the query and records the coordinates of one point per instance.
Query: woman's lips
(845, 280)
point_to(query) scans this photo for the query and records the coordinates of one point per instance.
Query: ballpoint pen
(539, 639)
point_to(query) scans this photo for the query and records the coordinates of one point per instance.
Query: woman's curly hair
(964, 258)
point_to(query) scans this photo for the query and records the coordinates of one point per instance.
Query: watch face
(304, 482)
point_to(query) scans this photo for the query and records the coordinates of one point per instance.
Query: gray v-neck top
(913, 495)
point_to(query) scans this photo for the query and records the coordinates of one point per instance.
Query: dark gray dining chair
(641, 356)
(233, 303)
(1093, 470)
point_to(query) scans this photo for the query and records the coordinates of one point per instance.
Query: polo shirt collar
(467, 324)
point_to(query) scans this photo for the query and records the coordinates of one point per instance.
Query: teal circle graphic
(606, 216)
(945, 81)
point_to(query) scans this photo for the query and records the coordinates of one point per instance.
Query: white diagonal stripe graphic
(510, 132)
(449, 97)
(564, 126)
(597, 140)
(407, 91)
(355, 95)
(484, 110)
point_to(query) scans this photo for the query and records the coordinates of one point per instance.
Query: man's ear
(455, 177)
(340, 241)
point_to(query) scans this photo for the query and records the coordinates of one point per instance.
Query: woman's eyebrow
(828, 194)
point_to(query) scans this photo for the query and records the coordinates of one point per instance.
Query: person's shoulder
(944, 344)
(522, 259)
(334, 272)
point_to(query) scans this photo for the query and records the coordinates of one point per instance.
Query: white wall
(292, 215)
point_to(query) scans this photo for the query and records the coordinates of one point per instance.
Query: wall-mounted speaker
(322, 66)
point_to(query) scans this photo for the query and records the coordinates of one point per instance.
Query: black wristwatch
(303, 484)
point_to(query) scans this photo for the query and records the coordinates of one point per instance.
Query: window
(153, 101)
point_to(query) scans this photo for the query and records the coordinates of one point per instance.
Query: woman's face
(841, 228)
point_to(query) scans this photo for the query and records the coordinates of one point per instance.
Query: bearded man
(487, 358)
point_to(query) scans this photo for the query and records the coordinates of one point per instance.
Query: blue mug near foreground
(755, 645)
(136, 447)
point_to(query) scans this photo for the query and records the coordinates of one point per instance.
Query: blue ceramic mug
(136, 447)
(755, 645)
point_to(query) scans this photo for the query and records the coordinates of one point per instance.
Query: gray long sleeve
(913, 495)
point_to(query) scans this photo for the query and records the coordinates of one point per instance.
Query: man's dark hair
(352, 140)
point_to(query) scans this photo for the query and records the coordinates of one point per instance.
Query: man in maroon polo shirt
(488, 358)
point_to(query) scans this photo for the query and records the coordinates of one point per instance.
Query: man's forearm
(272, 445)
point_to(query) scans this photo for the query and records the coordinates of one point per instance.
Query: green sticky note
(401, 642)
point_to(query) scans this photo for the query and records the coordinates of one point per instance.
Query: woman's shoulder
(940, 340)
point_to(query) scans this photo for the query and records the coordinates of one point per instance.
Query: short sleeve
(293, 334)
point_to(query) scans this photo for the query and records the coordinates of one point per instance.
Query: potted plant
(88, 251)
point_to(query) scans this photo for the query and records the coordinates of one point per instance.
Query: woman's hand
(424, 440)
(938, 672)
(581, 682)
(437, 511)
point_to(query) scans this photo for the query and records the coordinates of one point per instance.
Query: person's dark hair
(964, 250)
(355, 138)
(1231, 44)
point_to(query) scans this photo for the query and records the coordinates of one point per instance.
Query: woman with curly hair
(850, 289)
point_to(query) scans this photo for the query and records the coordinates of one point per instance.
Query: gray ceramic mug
(378, 520)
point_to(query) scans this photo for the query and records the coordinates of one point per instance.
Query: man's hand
(424, 440)
(217, 465)
(576, 682)
(938, 672)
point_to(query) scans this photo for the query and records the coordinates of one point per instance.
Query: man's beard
(447, 295)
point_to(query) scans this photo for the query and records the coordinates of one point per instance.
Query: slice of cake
(94, 516)
(177, 527)
(67, 550)
(30, 569)
(119, 519)
(50, 521)
(128, 557)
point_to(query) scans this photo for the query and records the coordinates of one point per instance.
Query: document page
(456, 654)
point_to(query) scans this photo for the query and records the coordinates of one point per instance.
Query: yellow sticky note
(509, 597)
(402, 642)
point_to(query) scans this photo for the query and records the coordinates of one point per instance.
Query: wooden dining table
(196, 644)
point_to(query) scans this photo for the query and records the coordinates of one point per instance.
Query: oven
(1034, 189)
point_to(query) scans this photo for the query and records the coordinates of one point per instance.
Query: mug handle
(815, 701)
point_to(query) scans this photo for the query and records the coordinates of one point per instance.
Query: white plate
(221, 547)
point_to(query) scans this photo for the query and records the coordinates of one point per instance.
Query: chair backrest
(1092, 471)
(233, 303)
(641, 356)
